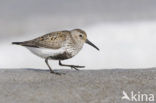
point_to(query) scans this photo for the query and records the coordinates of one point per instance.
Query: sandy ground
(87, 86)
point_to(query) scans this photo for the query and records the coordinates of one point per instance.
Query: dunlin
(58, 45)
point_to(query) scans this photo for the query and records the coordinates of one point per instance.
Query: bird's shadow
(45, 71)
(37, 70)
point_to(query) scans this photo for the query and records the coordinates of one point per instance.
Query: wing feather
(53, 40)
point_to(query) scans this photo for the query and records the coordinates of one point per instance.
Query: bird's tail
(17, 43)
(25, 44)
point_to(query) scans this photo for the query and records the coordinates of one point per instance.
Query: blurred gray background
(18, 17)
(124, 30)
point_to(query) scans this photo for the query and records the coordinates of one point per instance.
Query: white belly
(44, 52)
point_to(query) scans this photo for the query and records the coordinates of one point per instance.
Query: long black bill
(90, 43)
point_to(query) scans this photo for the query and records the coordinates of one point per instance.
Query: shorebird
(59, 45)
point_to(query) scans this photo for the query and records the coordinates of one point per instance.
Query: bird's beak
(90, 43)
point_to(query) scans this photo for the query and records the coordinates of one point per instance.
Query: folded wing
(53, 40)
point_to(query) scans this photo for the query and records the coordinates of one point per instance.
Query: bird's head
(80, 36)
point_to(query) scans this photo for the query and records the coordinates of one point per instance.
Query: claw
(79, 66)
(74, 67)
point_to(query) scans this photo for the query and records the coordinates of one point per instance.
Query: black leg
(72, 66)
(51, 71)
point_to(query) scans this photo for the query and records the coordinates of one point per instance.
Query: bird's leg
(72, 66)
(51, 71)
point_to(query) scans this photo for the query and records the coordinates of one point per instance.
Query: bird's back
(53, 40)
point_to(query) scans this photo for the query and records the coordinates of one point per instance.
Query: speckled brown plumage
(53, 40)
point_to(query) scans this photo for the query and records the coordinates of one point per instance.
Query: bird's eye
(80, 36)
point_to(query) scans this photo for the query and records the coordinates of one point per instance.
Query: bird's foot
(76, 66)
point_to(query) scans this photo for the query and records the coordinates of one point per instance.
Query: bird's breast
(72, 47)
(73, 50)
